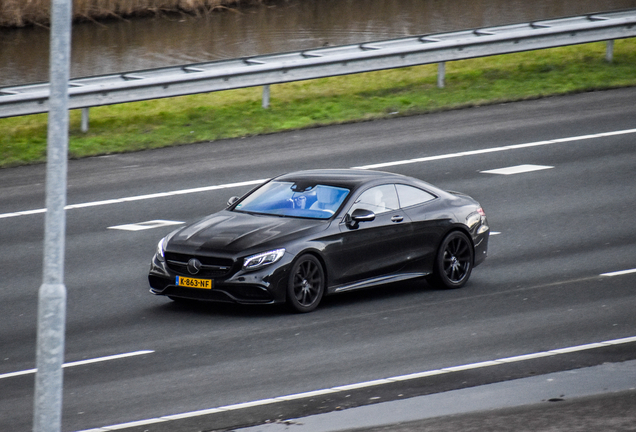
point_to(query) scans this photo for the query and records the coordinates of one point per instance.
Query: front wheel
(306, 284)
(454, 261)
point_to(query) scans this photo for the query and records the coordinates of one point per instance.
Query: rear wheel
(454, 261)
(306, 284)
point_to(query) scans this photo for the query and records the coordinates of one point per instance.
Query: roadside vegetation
(399, 92)
(20, 13)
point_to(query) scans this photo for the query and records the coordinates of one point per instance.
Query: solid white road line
(373, 166)
(139, 198)
(81, 362)
(366, 384)
(497, 149)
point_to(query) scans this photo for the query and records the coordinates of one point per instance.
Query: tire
(453, 263)
(306, 284)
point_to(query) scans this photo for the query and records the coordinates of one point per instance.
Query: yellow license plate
(194, 283)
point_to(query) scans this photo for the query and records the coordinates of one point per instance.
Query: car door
(429, 220)
(374, 248)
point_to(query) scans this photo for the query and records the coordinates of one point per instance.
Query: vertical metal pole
(266, 96)
(441, 74)
(84, 120)
(609, 52)
(47, 416)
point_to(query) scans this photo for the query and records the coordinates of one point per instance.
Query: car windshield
(315, 201)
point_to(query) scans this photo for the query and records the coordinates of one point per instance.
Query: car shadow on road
(395, 293)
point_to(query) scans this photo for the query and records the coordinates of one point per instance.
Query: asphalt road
(559, 228)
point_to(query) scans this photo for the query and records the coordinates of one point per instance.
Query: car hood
(234, 232)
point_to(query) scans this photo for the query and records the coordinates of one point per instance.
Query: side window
(410, 196)
(379, 199)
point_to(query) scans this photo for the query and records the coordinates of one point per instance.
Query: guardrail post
(609, 51)
(441, 74)
(85, 120)
(266, 96)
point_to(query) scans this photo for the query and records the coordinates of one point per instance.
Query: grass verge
(408, 91)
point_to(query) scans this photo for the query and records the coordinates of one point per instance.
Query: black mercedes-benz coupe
(307, 234)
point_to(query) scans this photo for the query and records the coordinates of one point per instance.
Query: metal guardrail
(321, 62)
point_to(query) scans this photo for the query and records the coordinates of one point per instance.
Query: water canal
(290, 25)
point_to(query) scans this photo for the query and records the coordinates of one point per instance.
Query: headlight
(160, 249)
(262, 259)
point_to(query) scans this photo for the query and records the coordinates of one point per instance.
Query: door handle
(397, 218)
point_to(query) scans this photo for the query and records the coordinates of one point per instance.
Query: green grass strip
(397, 92)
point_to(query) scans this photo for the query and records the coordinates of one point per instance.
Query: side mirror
(359, 215)
(232, 201)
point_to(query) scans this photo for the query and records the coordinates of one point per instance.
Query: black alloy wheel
(306, 284)
(454, 261)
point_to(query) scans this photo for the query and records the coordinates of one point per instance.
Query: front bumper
(264, 286)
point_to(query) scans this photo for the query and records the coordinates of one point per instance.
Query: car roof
(348, 178)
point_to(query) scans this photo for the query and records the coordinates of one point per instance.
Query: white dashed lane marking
(519, 169)
(619, 273)
(145, 225)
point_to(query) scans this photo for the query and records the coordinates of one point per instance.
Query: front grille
(211, 266)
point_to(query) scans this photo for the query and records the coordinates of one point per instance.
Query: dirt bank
(20, 13)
